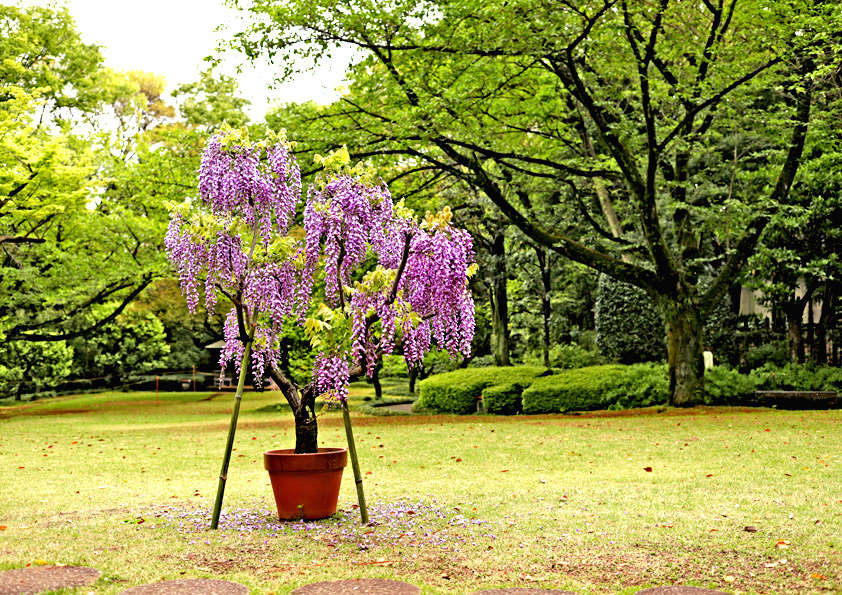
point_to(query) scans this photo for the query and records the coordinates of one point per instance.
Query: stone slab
(190, 586)
(400, 407)
(359, 586)
(38, 579)
(679, 590)
(522, 591)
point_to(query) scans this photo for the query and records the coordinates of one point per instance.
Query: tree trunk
(794, 333)
(826, 318)
(684, 352)
(499, 303)
(302, 401)
(546, 286)
(811, 327)
(794, 313)
(413, 376)
(306, 426)
(375, 380)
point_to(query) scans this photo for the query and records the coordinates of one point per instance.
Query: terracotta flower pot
(306, 486)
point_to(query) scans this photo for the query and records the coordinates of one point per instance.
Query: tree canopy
(615, 113)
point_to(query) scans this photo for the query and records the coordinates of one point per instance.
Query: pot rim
(324, 450)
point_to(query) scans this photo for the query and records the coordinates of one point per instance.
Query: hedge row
(534, 390)
(458, 391)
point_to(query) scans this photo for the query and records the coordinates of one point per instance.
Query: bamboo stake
(355, 463)
(232, 429)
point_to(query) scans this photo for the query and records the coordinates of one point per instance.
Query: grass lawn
(595, 504)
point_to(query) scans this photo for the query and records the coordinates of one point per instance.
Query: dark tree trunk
(306, 432)
(303, 404)
(546, 286)
(811, 328)
(684, 352)
(499, 302)
(413, 376)
(795, 336)
(794, 314)
(826, 318)
(375, 380)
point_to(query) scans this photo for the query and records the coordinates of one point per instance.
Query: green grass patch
(596, 503)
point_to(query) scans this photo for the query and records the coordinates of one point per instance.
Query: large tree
(534, 101)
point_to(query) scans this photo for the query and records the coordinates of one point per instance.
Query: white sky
(172, 37)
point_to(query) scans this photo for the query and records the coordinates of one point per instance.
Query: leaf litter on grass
(402, 523)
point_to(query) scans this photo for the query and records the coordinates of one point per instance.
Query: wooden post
(232, 429)
(156, 389)
(355, 463)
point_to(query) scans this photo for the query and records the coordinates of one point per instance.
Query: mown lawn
(594, 504)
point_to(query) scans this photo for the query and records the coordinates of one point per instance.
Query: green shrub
(571, 390)
(719, 333)
(797, 377)
(774, 354)
(629, 326)
(639, 385)
(458, 391)
(394, 366)
(568, 357)
(724, 386)
(504, 399)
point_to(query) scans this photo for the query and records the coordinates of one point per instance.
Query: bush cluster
(572, 390)
(724, 386)
(599, 387)
(458, 391)
(629, 326)
(507, 391)
(797, 377)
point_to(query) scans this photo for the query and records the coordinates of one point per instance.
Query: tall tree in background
(529, 100)
(68, 267)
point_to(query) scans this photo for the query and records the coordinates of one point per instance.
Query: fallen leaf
(648, 469)
(770, 564)
(709, 475)
(782, 544)
(41, 562)
(525, 577)
(2, 527)
(816, 575)
(729, 579)
(458, 460)
(750, 529)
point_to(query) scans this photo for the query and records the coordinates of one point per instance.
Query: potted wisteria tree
(389, 280)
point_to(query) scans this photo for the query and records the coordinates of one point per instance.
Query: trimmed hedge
(599, 387)
(504, 399)
(629, 325)
(581, 389)
(458, 391)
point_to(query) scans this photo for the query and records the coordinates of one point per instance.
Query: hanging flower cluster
(239, 244)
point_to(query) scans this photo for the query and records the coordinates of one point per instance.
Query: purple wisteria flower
(389, 280)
